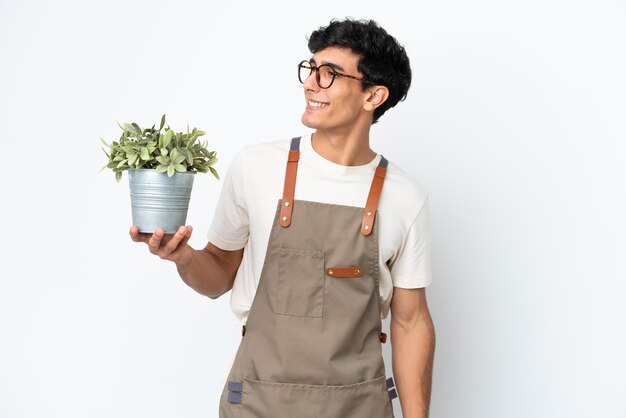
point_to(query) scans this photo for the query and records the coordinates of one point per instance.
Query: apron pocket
(291, 400)
(301, 278)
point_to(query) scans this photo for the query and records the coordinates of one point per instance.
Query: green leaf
(129, 129)
(137, 129)
(161, 168)
(180, 168)
(163, 160)
(145, 155)
(162, 122)
(132, 158)
(214, 172)
(118, 176)
(170, 170)
(167, 138)
(121, 163)
(179, 158)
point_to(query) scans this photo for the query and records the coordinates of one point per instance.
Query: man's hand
(210, 271)
(172, 247)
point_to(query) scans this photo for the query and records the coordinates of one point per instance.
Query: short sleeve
(410, 267)
(231, 225)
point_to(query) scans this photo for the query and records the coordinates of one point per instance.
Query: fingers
(178, 239)
(137, 236)
(165, 246)
(154, 243)
(134, 233)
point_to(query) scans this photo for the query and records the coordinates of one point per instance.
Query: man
(313, 247)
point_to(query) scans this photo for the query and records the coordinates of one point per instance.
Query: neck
(348, 150)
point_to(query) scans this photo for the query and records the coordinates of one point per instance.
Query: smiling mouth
(316, 105)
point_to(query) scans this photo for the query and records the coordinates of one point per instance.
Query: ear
(376, 96)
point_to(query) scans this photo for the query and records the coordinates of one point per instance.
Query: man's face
(339, 107)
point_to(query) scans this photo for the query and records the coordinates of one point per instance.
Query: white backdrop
(514, 123)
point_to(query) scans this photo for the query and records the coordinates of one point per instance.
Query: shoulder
(260, 161)
(264, 151)
(402, 189)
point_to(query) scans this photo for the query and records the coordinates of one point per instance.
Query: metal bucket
(159, 201)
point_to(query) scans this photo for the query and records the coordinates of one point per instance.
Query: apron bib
(311, 347)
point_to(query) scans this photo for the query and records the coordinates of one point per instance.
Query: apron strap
(289, 190)
(372, 199)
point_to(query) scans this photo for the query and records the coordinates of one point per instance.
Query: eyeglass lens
(324, 74)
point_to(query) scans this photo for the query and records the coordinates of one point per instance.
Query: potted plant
(161, 165)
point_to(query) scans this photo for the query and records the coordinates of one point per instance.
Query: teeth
(316, 104)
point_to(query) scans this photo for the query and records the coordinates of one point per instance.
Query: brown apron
(311, 347)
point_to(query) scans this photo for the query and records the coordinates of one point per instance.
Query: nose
(310, 84)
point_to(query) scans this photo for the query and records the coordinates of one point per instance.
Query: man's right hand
(172, 247)
(210, 271)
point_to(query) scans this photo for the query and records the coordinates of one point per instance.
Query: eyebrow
(331, 64)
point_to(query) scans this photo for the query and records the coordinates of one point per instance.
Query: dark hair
(383, 60)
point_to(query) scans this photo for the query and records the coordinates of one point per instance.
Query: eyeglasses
(324, 74)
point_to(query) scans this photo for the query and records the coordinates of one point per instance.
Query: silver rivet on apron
(366, 227)
(369, 213)
(356, 271)
(284, 218)
(286, 203)
(330, 272)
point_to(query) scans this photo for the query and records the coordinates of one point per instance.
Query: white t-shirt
(254, 184)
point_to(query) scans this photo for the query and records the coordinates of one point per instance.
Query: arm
(413, 346)
(210, 271)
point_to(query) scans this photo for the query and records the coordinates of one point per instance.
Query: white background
(514, 122)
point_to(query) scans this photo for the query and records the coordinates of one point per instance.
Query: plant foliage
(162, 149)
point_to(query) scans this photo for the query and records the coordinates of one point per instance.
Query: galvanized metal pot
(159, 201)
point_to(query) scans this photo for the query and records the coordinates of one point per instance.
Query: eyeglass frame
(335, 73)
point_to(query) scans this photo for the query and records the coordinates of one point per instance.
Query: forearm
(413, 347)
(207, 273)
